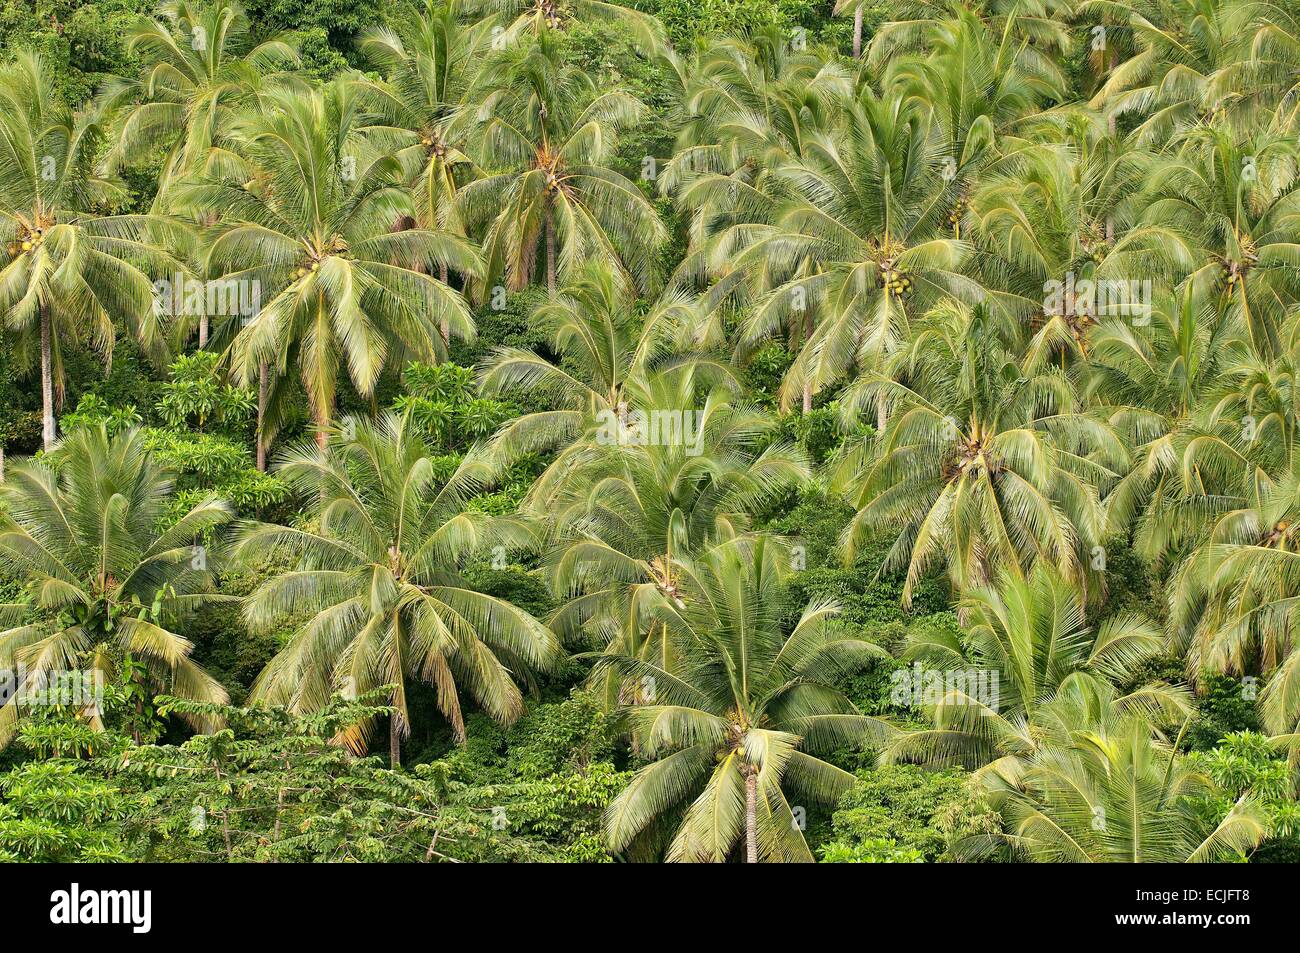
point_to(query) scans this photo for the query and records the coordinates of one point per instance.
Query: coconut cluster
(958, 212)
(27, 240)
(896, 281)
(1281, 536)
(433, 145)
(1092, 239)
(1236, 270)
(338, 248)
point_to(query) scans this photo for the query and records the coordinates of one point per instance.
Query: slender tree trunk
(394, 742)
(47, 379)
(322, 426)
(444, 328)
(263, 395)
(203, 330)
(550, 252)
(857, 31)
(751, 816)
(1110, 127)
(279, 811)
(807, 384)
(225, 824)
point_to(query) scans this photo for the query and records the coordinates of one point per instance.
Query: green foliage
(681, 195)
(503, 321)
(441, 402)
(340, 19)
(1225, 708)
(903, 814)
(299, 796)
(196, 396)
(686, 20)
(92, 411)
(1244, 764)
(819, 432)
(52, 813)
(53, 808)
(204, 462)
(551, 775)
(1224, 705)
(877, 850)
(81, 40)
(208, 463)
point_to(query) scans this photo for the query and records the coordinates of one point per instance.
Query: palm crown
(70, 273)
(733, 728)
(109, 573)
(312, 227)
(378, 581)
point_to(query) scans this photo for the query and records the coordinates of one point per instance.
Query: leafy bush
(442, 403)
(904, 813)
(550, 776)
(1244, 764)
(195, 396)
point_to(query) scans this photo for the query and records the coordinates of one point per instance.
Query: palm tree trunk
(263, 395)
(857, 31)
(807, 384)
(323, 415)
(751, 816)
(550, 252)
(203, 330)
(47, 379)
(444, 327)
(394, 742)
(1110, 127)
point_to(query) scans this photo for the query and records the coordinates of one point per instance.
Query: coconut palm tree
(376, 594)
(1167, 384)
(1233, 599)
(748, 108)
(733, 730)
(1054, 231)
(842, 6)
(199, 68)
(640, 496)
(859, 245)
(70, 271)
(547, 150)
(604, 352)
(979, 80)
(1037, 26)
(312, 229)
(1186, 64)
(1105, 787)
(422, 109)
(1269, 72)
(1024, 639)
(983, 465)
(747, 105)
(1226, 209)
(521, 18)
(110, 574)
